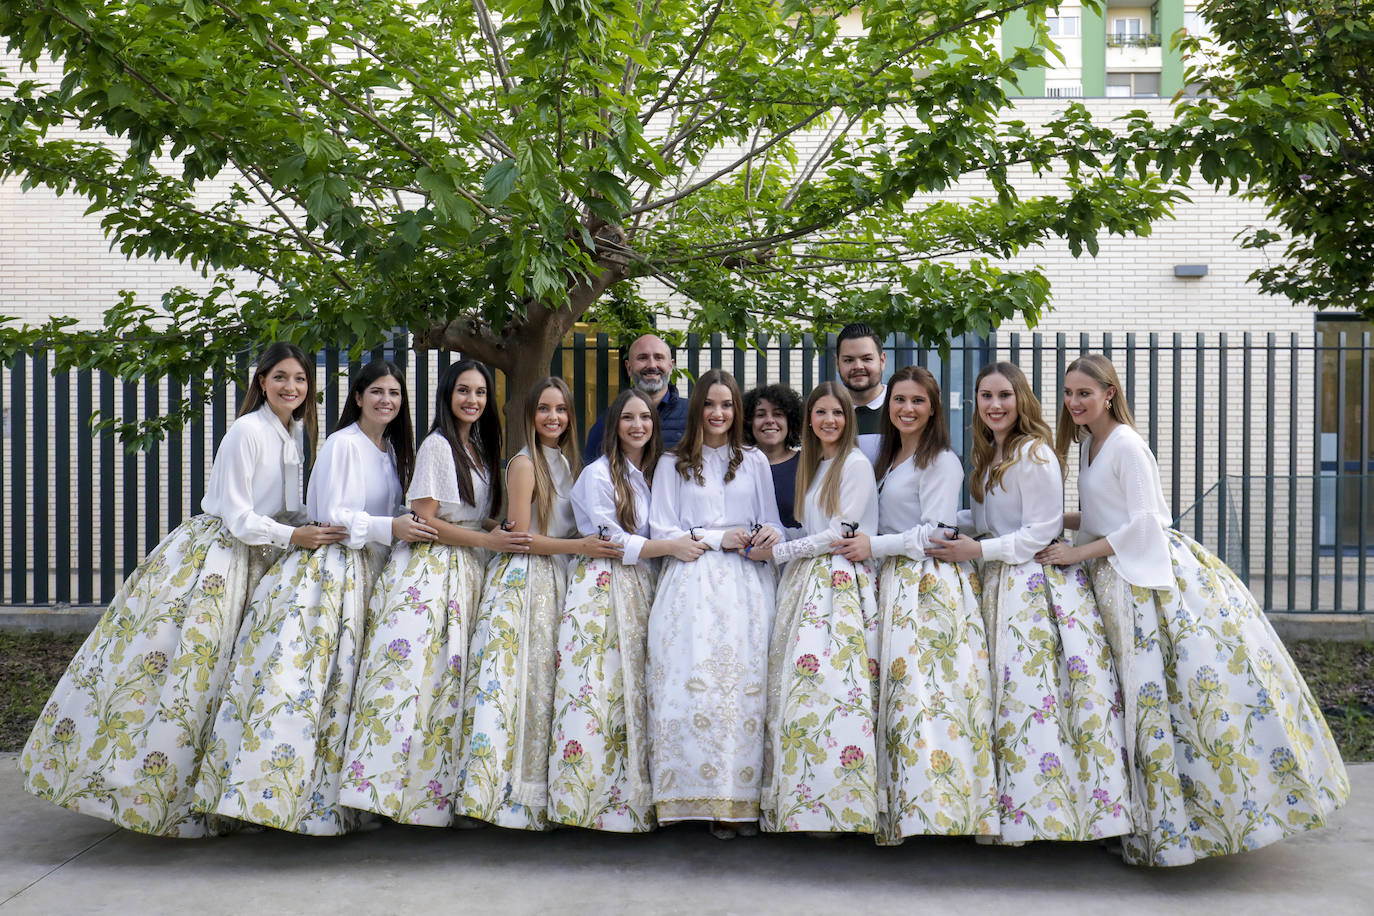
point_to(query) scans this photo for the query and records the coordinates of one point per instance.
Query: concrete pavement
(55, 862)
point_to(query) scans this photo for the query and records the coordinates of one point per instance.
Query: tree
(1288, 109)
(487, 172)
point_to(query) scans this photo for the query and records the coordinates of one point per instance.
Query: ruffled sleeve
(341, 497)
(1141, 548)
(1041, 491)
(593, 502)
(240, 458)
(858, 505)
(938, 488)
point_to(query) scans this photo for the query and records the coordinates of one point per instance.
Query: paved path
(55, 862)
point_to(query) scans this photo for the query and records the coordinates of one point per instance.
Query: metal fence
(1247, 463)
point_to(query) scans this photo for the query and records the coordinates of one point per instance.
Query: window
(1125, 27)
(1195, 25)
(1347, 448)
(1063, 26)
(1126, 85)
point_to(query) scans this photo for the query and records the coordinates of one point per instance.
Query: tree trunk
(528, 365)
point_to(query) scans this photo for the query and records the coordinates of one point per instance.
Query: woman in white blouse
(599, 756)
(1057, 729)
(508, 687)
(1228, 749)
(937, 774)
(820, 767)
(404, 738)
(123, 735)
(276, 755)
(708, 631)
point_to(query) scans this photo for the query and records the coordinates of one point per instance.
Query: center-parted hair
(567, 444)
(1100, 369)
(1030, 428)
(485, 435)
(811, 451)
(400, 432)
(305, 410)
(611, 447)
(935, 435)
(688, 451)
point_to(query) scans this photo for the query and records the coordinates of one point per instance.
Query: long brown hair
(688, 451)
(625, 512)
(567, 444)
(811, 451)
(1100, 369)
(935, 436)
(1030, 428)
(305, 410)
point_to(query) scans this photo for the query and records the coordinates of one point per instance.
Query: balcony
(1139, 51)
(1133, 41)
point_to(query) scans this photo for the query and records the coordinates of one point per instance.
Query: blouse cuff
(713, 538)
(634, 543)
(997, 548)
(888, 545)
(279, 535)
(379, 528)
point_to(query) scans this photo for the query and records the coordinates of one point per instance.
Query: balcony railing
(1133, 41)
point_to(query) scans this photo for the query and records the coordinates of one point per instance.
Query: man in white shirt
(859, 361)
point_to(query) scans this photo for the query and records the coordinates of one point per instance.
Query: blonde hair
(811, 451)
(544, 488)
(688, 451)
(1030, 428)
(1100, 369)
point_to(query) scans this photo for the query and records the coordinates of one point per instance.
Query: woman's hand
(411, 529)
(760, 554)
(1060, 553)
(855, 547)
(312, 536)
(735, 539)
(595, 546)
(499, 540)
(686, 549)
(766, 536)
(958, 549)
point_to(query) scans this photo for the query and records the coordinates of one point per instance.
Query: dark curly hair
(779, 396)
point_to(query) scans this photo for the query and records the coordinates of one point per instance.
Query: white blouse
(562, 524)
(257, 475)
(1025, 513)
(354, 484)
(1123, 501)
(912, 500)
(858, 505)
(679, 505)
(436, 477)
(593, 502)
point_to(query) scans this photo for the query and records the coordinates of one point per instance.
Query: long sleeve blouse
(1025, 512)
(256, 476)
(593, 502)
(912, 501)
(1123, 501)
(436, 477)
(679, 505)
(354, 484)
(561, 524)
(858, 505)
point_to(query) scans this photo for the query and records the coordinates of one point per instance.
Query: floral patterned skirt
(707, 665)
(509, 693)
(276, 757)
(123, 736)
(1229, 751)
(820, 769)
(599, 758)
(404, 738)
(1057, 721)
(936, 772)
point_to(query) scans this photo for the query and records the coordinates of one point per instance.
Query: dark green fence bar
(19, 482)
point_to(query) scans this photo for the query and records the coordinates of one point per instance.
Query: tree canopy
(486, 173)
(1306, 67)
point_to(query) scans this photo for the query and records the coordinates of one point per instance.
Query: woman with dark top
(773, 425)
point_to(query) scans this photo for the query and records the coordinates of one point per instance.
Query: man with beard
(859, 359)
(650, 367)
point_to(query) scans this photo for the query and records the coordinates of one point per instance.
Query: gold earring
(1109, 403)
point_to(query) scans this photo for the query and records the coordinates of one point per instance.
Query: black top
(785, 488)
